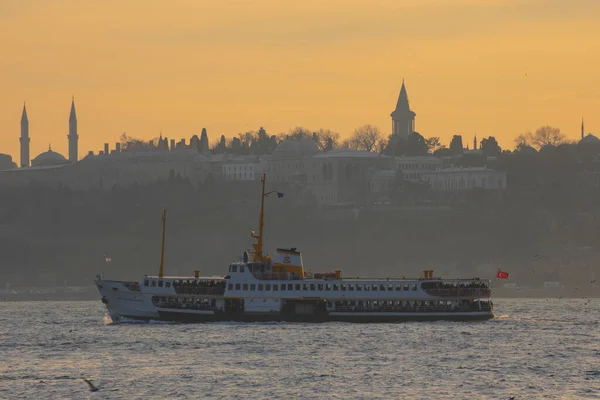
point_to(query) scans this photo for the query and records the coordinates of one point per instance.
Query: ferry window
(374, 287)
(305, 286)
(168, 284)
(359, 287)
(405, 286)
(260, 286)
(297, 286)
(382, 287)
(230, 286)
(237, 286)
(283, 286)
(335, 286)
(313, 287)
(160, 283)
(290, 286)
(145, 282)
(414, 286)
(275, 287)
(245, 286)
(367, 287)
(320, 286)
(398, 287)
(153, 283)
(328, 287)
(268, 286)
(253, 286)
(390, 287)
(234, 268)
(242, 269)
(343, 287)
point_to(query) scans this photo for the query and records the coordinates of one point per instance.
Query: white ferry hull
(123, 304)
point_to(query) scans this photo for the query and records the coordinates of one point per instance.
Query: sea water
(533, 349)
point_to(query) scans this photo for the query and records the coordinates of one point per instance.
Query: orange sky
(485, 67)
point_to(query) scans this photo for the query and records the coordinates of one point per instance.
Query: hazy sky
(485, 67)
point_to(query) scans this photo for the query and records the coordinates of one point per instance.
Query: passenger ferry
(279, 289)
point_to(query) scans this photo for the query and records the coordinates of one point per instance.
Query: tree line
(364, 138)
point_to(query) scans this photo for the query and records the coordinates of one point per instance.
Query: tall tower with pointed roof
(24, 139)
(73, 136)
(403, 119)
(582, 129)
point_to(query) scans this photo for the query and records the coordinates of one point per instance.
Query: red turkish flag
(502, 275)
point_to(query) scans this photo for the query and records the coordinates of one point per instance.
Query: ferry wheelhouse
(279, 289)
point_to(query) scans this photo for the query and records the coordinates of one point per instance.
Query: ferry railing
(473, 307)
(459, 292)
(208, 290)
(276, 276)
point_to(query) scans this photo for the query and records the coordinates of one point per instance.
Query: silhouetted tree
(366, 138)
(456, 145)
(416, 145)
(433, 143)
(221, 147)
(547, 135)
(204, 145)
(236, 146)
(325, 138)
(489, 146)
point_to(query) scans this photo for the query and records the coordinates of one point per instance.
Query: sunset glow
(486, 68)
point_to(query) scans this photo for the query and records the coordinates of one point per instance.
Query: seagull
(89, 382)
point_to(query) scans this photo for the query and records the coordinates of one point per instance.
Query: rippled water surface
(534, 349)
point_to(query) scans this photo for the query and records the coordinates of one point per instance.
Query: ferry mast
(258, 246)
(161, 270)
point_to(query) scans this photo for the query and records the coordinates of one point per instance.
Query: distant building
(243, 168)
(382, 185)
(343, 175)
(454, 179)
(73, 136)
(413, 167)
(289, 158)
(24, 139)
(403, 118)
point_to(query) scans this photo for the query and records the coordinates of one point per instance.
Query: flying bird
(91, 385)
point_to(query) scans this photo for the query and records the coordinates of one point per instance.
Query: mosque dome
(296, 148)
(590, 139)
(49, 158)
(6, 162)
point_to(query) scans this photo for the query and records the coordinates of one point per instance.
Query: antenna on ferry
(162, 253)
(258, 246)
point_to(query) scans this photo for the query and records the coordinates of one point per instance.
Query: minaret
(24, 139)
(73, 136)
(582, 130)
(403, 119)
(475, 142)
